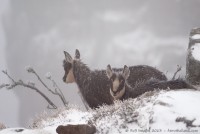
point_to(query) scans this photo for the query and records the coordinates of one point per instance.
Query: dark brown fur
(95, 85)
(125, 91)
(150, 86)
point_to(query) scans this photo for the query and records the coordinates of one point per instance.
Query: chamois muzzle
(64, 78)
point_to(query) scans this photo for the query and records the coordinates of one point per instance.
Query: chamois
(94, 85)
(120, 88)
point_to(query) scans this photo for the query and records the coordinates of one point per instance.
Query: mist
(35, 33)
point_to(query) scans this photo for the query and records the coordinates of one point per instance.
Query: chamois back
(94, 85)
(120, 89)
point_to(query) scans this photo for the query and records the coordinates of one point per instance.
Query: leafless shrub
(2, 126)
(49, 116)
(31, 85)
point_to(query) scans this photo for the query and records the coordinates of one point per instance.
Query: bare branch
(4, 85)
(177, 70)
(31, 70)
(21, 83)
(60, 93)
(5, 72)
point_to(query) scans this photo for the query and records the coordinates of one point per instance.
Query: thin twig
(21, 83)
(4, 85)
(42, 82)
(177, 70)
(6, 73)
(60, 93)
(50, 90)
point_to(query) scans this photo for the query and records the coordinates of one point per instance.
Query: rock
(76, 129)
(187, 122)
(193, 57)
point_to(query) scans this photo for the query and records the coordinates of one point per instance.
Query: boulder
(193, 57)
(76, 129)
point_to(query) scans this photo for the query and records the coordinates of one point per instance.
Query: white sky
(10, 108)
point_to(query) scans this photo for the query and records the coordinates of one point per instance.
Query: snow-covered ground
(153, 112)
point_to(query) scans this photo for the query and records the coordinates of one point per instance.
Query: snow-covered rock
(193, 57)
(152, 112)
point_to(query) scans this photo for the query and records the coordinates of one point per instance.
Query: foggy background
(116, 32)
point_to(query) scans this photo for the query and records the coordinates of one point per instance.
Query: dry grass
(2, 126)
(37, 122)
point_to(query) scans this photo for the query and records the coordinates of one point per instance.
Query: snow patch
(26, 131)
(196, 36)
(48, 75)
(196, 51)
(179, 104)
(70, 116)
(31, 83)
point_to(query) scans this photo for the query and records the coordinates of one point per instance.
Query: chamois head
(117, 81)
(68, 66)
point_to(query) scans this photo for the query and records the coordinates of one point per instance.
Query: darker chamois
(120, 88)
(94, 85)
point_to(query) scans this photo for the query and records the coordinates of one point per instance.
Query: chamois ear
(126, 72)
(109, 71)
(68, 57)
(77, 54)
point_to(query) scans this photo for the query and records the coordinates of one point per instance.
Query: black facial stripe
(113, 77)
(64, 78)
(67, 66)
(111, 85)
(121, 82)
(121, 85)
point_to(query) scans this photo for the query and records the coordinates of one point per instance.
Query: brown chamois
(94, 85)
(120, 88)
